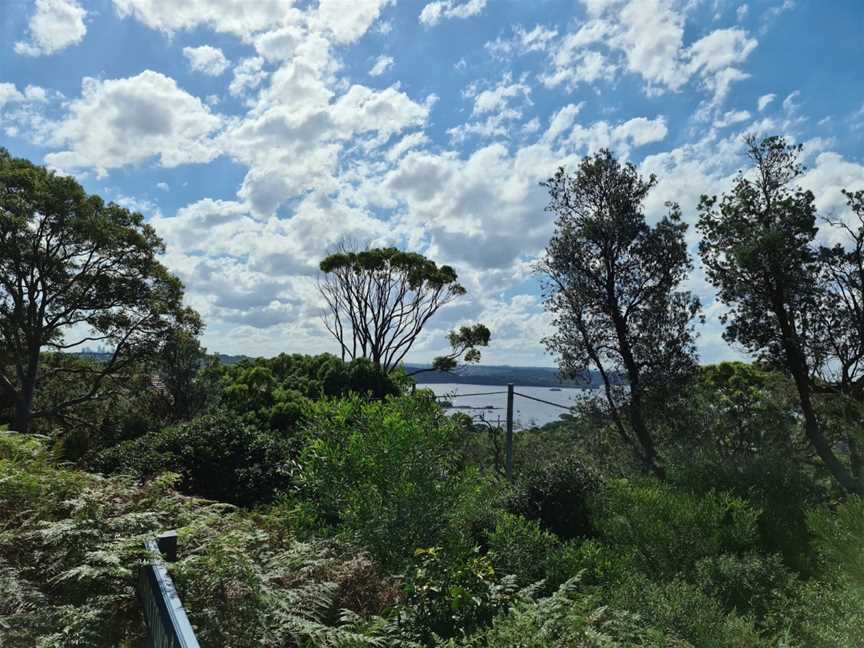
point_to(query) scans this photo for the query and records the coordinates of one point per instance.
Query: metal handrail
(166, 620)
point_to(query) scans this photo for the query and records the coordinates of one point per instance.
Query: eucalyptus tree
(612, 285)
(73, 271)
(789, 302)
(378, 301)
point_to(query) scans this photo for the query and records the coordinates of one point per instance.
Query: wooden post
(510, 431)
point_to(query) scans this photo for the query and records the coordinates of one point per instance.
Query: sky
(255, 135)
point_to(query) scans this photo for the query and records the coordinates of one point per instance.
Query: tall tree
(379, 300)
(73, 271)
(758, 249)
(179, 359)
(611, 283)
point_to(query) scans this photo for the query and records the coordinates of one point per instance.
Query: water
(526, 413)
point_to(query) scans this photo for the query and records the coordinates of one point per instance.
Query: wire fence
(511, 394)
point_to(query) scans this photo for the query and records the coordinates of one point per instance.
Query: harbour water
(493, 406)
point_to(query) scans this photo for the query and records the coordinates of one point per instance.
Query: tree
(379, 300)
(73, 271)
(611, 284)
(178, 362)
(463, 344)
(759, 252)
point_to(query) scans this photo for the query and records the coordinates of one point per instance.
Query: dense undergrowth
(358, 521)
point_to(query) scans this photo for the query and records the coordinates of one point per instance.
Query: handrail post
(510, 431)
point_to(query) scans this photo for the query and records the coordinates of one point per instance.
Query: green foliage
(555, 492)
(520, 547)
(668, 531)
(453, 594)
(219, 456)
(570, 617)
(71, 544)
(682, 610)
(386, 472)
(775, 483)
(839, 539)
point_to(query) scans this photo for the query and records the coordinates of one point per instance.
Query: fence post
(510, 431)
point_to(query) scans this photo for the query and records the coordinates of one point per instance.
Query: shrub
(668, 531)
(520, 547)
(776, 484)
(750, 584)
(453, 594)
(218, 456)
(684, 611)
(570, 617)
(385, 472)
(555, 493)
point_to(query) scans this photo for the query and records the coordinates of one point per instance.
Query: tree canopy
(378, 301)
(73, 270)
(612, 285)
(792, 303)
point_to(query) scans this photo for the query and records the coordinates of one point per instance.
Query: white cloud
(239, 17)
(163, 186)
(731, 117)
(640, 131)
(248, 75)
(741, 12)
(538, 39)
(645, 37)
(347, 24)
(497, 98)
(382, 64)
(126, 121)
(57, 24)
(206, 59)
(765, 101)
(10, 94)
(436, 11)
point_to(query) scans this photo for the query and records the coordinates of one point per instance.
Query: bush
(570, 617)
(682, 610)
(776, 484)
(452, 594)
(218, 456)
(385, 472)
(520, 547)
(668, 531)
(750, 584)
(555, 493)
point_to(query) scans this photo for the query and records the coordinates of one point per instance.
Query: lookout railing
(166, 620)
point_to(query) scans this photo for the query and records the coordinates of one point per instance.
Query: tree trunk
(797, 364)
(24, 408)
(637, 418)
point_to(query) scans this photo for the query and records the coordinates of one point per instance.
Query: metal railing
(166, 620)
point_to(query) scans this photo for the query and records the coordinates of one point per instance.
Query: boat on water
(554, 389)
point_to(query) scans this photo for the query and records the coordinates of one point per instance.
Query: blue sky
(256, 134)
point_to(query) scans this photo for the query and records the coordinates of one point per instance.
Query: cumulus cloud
(435, 12)
(9, 94)
(118, 122)
(382, 64)
(239, 17)
(206, 59)
(55, 25)
(646, 38)
(248, 75)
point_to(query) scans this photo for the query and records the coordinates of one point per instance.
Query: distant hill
(502, 374)
(465, 374)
